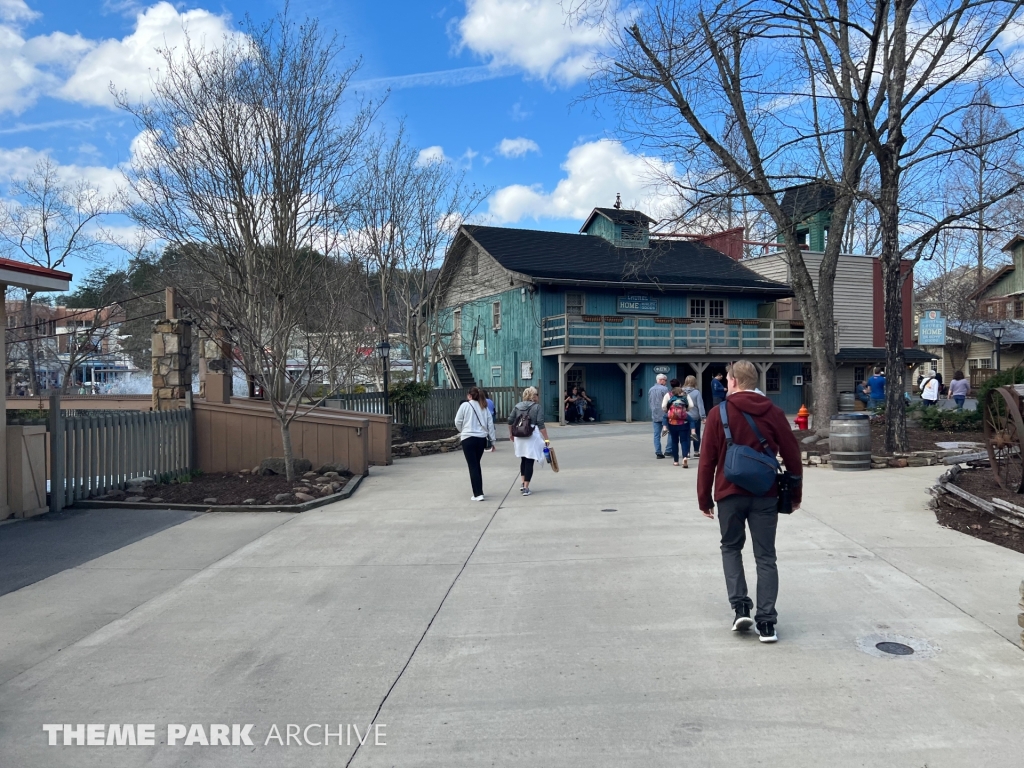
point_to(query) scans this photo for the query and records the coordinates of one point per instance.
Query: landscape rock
(156, 500)
(255, 470)
(336, 486)
(211, 500)
(140, 481)
(304, 497)
(248, 501)
(116, 495)
(810, 440)
(283, 497)
(326, 490)
(879, 465)
(414, 450)
(897, 463)
(337, 468)
(276, 466)
(916, 462)
(309, 474)
(245, 471)
(135, 499)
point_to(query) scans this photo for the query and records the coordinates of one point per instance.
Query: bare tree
(248, 163)
(406, 213)
(704, 82)
(48, 221)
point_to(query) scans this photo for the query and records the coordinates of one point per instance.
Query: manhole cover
(889, 645)
(609, 510)
(896, 649)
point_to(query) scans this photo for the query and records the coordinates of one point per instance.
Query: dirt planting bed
(235, 488)
(958, 514)
(920, 439)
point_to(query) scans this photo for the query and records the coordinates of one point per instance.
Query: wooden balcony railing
(614, 334)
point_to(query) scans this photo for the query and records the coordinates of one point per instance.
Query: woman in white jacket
(476, 427)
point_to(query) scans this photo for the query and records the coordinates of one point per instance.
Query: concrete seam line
(430, 623)
(118, 626)
(917, 581)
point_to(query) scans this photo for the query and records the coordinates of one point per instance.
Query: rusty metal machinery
(1004, 430)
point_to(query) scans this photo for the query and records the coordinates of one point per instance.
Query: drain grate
(896, 649)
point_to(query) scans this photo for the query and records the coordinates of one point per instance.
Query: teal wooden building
(608, 308)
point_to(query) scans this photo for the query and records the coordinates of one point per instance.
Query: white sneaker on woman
(477, 498)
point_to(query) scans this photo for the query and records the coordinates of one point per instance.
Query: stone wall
(425, 447)
(172, 363)
(214, 368)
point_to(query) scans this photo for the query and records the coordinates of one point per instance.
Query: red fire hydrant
(801, 417)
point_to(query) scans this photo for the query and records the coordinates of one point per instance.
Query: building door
(456, 345)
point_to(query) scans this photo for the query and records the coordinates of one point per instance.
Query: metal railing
(95, 453)
(437, 411)
(617, 334)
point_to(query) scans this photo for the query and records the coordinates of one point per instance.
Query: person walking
(718, 391)
(677, 418)
(930, 390)
(749, 418)
(696, 411)
(876, 390)
(655, 397)
(476, 428)
(528, 417)
(959, 390)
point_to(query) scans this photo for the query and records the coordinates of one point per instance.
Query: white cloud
(533, 35)
(434, 154)
(20, 161)
(33, 66)
(516, 147)
(16, 10)
(595, 173)
(131, 63)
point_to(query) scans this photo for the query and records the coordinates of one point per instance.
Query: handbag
(753, 470)
(490, 443)
(784, 501)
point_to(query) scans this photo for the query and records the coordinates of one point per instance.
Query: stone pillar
(172, 363)
(1020, 616)
(214, 367)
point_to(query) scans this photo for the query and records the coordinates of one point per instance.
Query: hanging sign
(931, 329)
(637, 305)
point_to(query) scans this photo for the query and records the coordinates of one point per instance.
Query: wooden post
(170, 304)
(5, 508)
(56, 455)
(628, 368)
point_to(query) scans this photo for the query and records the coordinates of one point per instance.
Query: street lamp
(384, 350)
(997, 334)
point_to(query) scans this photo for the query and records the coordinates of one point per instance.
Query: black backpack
(521, 426)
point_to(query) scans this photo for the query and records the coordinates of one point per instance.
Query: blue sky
(490, 83)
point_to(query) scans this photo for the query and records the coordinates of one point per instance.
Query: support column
(762, 377)
(214, 364)
(628, 368)
(563, 368)
(698, 371)
(5, 508)
(172, 362)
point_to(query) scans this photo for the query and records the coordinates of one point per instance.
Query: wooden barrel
(847, 402)
(849, 440)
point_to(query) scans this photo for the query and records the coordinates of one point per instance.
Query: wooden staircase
(460, 375)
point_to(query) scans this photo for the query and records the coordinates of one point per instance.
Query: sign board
(637, 305)
(526, 370)
(662, 369)
(931, 329)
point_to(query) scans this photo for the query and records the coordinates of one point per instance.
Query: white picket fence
(95, 453)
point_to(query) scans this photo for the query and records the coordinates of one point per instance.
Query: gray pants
(734, 514)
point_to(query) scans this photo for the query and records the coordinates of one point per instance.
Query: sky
(492, 85)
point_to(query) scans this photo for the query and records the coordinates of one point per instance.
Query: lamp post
(384, 350)
(997, 334)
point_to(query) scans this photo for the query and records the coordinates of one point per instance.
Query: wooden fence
(436, 412)
(96, 453)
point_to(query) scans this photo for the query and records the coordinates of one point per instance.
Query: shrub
(950, 421)
(1012, 376)
(409, 392)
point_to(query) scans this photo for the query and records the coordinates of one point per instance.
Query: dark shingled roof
(564, 257)
(807, 200)
(876, 354)
(619, 216)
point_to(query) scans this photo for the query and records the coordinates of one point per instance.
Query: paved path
(584, 626)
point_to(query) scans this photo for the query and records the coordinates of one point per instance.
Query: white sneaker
(477, 498)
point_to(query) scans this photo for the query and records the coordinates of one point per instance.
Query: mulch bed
(432, 434)
(234, 488)
(920, 439)
(978, 523)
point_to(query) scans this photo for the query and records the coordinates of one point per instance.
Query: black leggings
(473, 448)
(526, 468)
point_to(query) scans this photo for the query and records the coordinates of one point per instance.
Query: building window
(859, 375)
(574, 303)
(496, 315)
(716, 309)
(495, 375)
(773, 379)
(698, 308)
(574, 378)
(474, 261)
(1018, 309)
(980, 362)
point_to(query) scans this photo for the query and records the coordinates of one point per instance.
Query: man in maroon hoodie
(738, 508)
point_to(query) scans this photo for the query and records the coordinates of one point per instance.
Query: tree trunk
(892, 297)
(289, 454)
(30, 345)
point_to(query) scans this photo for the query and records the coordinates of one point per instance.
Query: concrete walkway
(584, 626)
